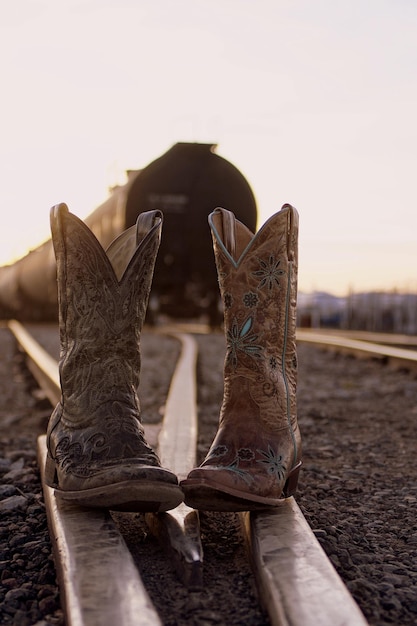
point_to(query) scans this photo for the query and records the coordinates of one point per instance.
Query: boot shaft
(258, 283)
(102, 299)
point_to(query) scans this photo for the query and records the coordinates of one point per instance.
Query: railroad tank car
(186, 184)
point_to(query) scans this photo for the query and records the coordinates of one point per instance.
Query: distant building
(389, 312)
(320, 310)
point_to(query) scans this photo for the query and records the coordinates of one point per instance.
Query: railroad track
(397, 350)
(89, 547)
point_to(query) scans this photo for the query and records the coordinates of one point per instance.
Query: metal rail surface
(389, 339)
(365, 346)
(278, 539)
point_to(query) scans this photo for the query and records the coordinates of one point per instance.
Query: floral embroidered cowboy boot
(97, 453)
(255, 458)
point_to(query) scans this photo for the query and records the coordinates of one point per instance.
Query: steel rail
(87, 543)
(297, 584)
(43, 367)
(398, 357)
(389, 339)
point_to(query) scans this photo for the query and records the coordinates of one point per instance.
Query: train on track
(186, 183)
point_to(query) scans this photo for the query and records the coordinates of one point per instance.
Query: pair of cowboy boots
(97, 452)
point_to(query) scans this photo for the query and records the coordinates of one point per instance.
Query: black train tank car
(186, 184)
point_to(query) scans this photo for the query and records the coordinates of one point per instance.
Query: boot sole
(141, 496)
(205, 495)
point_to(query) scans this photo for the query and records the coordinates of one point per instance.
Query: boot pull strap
(123, 247)
(145, 222)
(292, 230)
(229, 231)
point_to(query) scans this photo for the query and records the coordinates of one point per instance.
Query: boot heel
(290, 486)
(51, 476)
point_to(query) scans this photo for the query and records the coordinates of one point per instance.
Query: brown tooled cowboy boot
(255, 458)
(97, 453)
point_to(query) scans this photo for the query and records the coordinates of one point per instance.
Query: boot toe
(213, 489)
(125, 486)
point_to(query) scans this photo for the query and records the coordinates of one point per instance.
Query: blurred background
(314, 102)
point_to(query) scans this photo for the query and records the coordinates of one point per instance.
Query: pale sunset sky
(315, 102)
